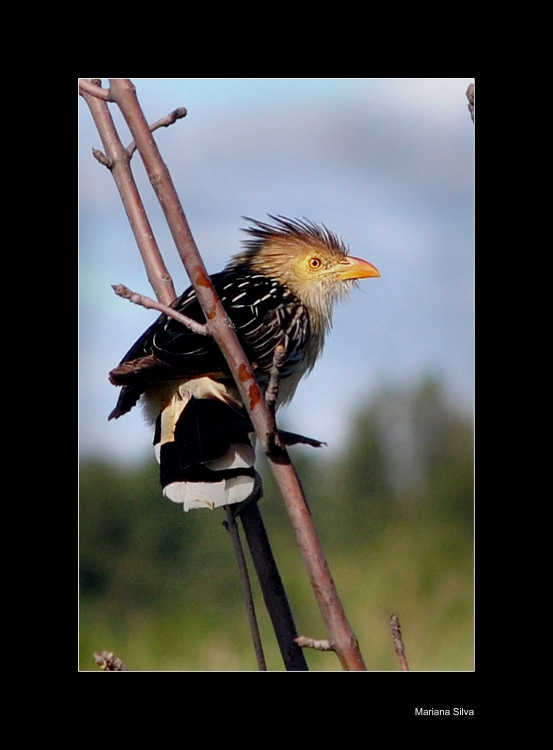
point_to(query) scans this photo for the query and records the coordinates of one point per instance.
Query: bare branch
(164, 122)
(306, 642)
(341, 635)
(397, 639)
(232, 527)
(139, 299)
(117, 159)
(93, 87)
(269, 578)
(107, 661)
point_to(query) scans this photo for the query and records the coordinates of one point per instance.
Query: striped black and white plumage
(280, 289)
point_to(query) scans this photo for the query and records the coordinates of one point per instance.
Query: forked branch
(344, 642)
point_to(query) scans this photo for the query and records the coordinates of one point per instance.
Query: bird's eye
(315, 263)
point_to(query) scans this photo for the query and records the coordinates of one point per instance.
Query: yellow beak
(357, 268)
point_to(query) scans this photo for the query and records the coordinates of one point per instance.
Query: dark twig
(305, 642)
(272, 589)
(232, 527)
(292, 438)
(395, 627)
(164, 122)
(470, 97)
(139, 299)
(107, 661)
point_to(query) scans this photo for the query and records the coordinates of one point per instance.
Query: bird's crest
(286, 233)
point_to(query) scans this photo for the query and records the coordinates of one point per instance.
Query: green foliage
(394, 511)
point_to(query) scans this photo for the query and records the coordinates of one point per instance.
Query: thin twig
(470, 96)
(274, 444)
(139, 299)
(271, 394)
(306, 642)
(395, 627)
(164, 122)
(107, 661)
(232, 527)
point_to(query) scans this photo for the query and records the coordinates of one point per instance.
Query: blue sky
(385, 163)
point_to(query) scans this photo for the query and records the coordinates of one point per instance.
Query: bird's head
(311, 261)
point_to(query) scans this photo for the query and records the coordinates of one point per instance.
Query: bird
(278, 291)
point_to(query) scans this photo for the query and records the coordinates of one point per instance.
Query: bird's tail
(203, 446)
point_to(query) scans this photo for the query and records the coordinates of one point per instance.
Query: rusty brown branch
(341, 635)
(139, 299)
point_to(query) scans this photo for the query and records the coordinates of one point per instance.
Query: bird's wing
(263, 314)
(170, 351)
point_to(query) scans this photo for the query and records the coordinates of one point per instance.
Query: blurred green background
(394, 511)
